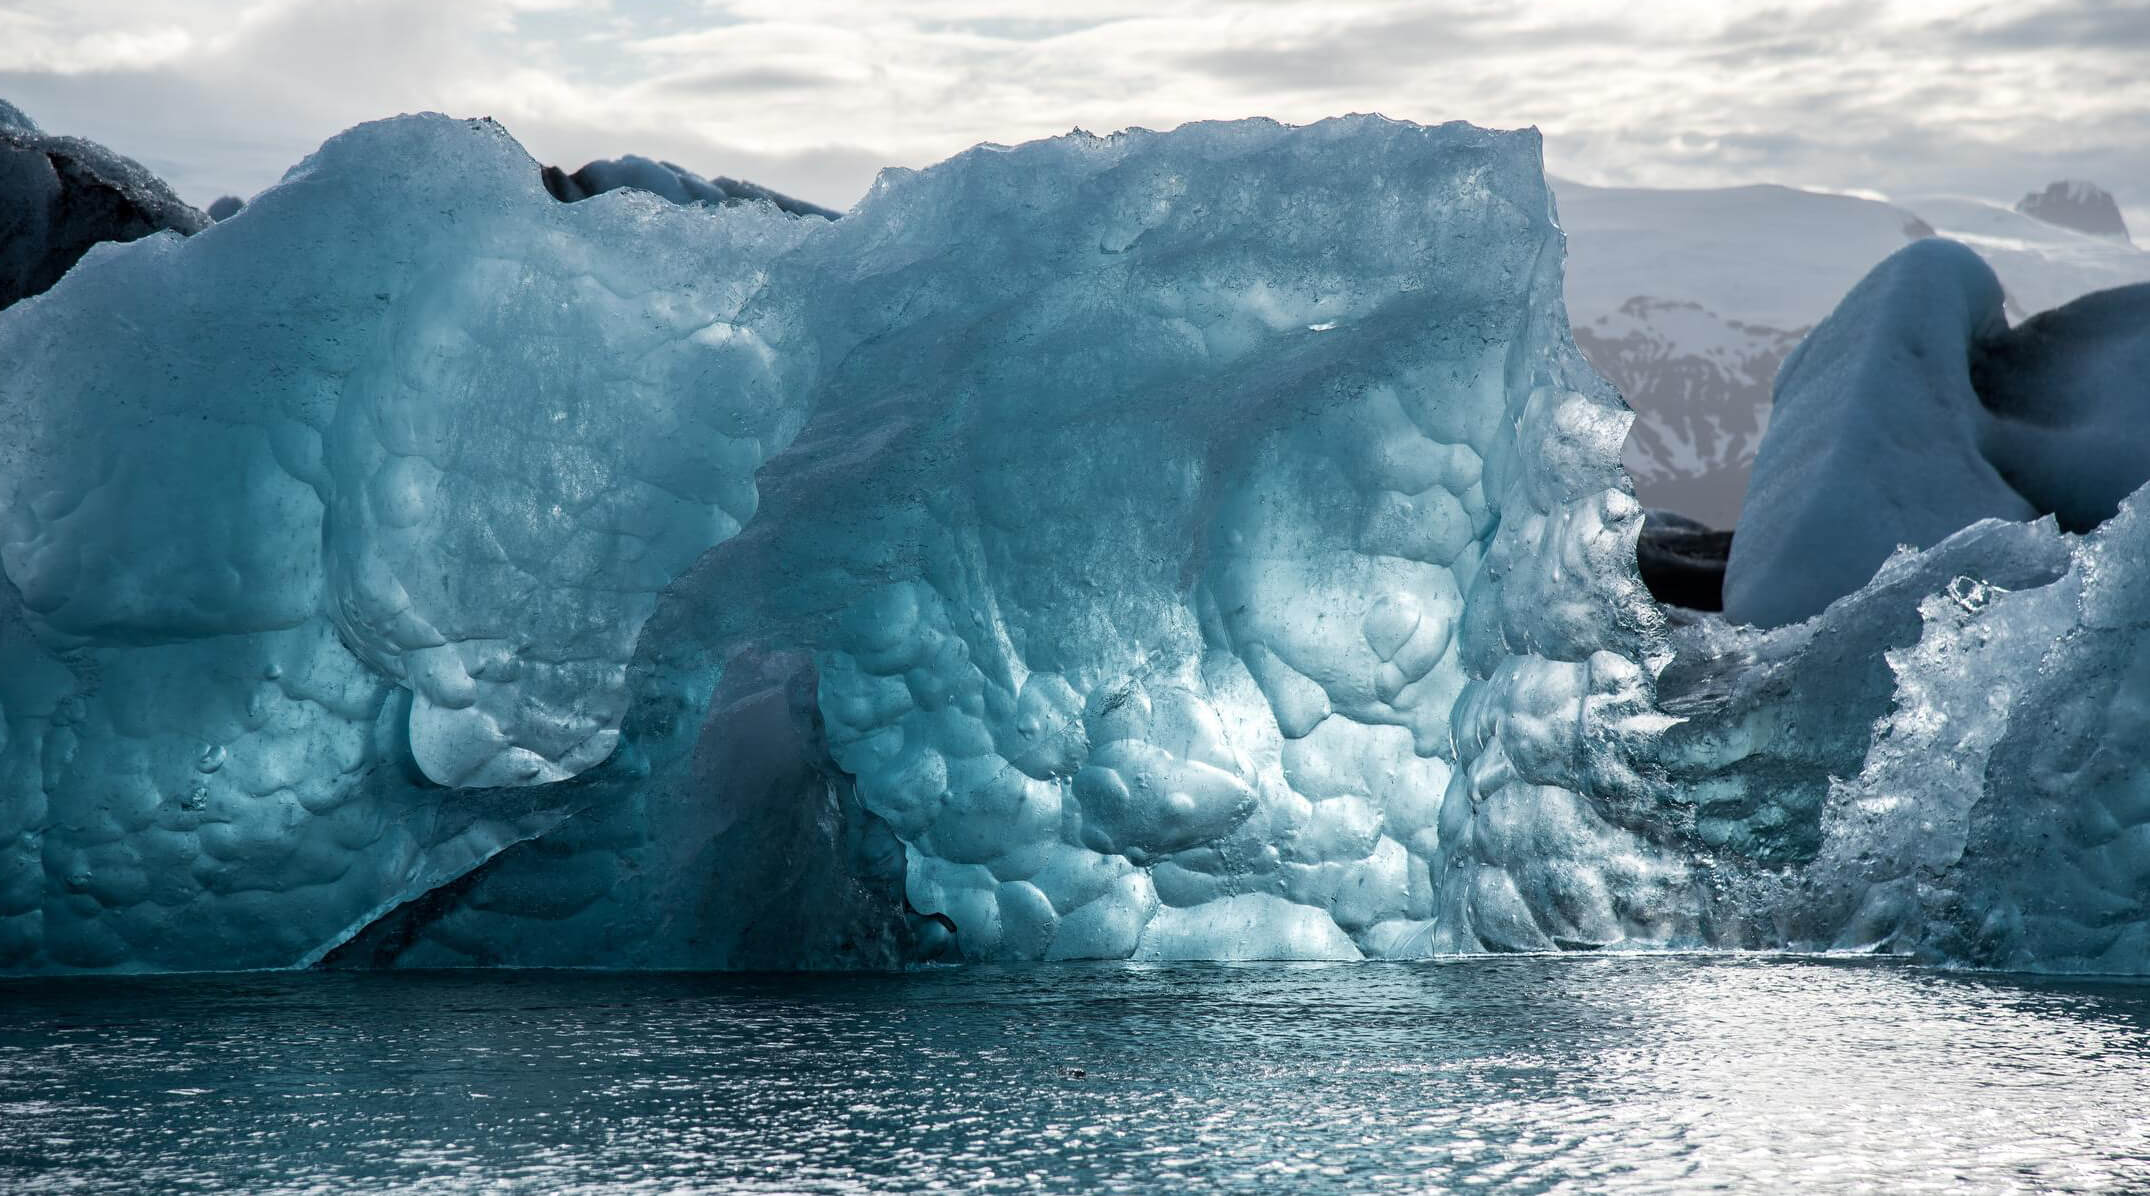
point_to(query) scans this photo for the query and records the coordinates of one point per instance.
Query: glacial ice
(61, 195)
(1144, 506)
(671, 181)
(1875, 438)
(1203, 544)
(1914, 410)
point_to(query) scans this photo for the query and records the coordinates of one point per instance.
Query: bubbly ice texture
(370, 497)
(1203, 544)
(1147, 531)
(1145, 507)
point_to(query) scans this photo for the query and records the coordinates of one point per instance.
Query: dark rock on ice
(673, 182)
(61, 195)
(225, 207)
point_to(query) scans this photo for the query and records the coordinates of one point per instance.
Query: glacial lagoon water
(1514, 1074)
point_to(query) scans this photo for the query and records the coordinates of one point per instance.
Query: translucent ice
(1162, 496)
(1153, 508)
(371, 495)
(1201, 544)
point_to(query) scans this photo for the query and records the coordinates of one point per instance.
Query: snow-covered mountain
(1689, 300)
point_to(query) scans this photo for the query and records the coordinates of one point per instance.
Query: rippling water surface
(1519, 1074)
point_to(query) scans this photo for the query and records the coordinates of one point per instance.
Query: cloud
(811, 95)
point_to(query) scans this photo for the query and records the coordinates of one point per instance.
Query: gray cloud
(747, 81)
(2080, 24)
(810, 96)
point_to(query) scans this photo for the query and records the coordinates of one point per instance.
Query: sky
(1884, 97)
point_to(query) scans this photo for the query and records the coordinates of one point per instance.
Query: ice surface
(1914, 411)
(1158, 546)
(1947, 763)
(2069, 390)
(1875, 438)
(373, 497)
(1157, 503)
(61, 195)
(1132, 553)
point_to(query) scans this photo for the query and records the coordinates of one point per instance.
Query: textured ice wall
(1193, 551)
(1223, 478)
(1945, 760)
(1164, 545)
(1949, 763)
(361, 493)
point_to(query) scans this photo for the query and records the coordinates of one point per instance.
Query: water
(1524, 1074)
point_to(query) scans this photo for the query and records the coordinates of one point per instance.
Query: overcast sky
(811, 96)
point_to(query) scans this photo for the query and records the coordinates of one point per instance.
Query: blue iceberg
(1204, 544)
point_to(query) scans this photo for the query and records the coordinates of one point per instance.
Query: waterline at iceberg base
(1198, 545)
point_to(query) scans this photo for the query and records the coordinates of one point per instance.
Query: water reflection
(1522, 1074)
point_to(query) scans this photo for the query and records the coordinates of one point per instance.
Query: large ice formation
(1689, 300)
(1202, 544)
(1914, 411)
(61, 195)
(1145, 507)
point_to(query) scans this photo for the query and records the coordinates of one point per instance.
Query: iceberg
(672, 181)
(1914, 411)
(1202, 544)
(1137, 512)
(364, 511)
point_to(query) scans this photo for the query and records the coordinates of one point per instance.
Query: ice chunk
(1682, 560)
(2070, 389)
(61, 195)
(1875, 439)
(1945, 764)
(1914, 411)
(673, 182)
